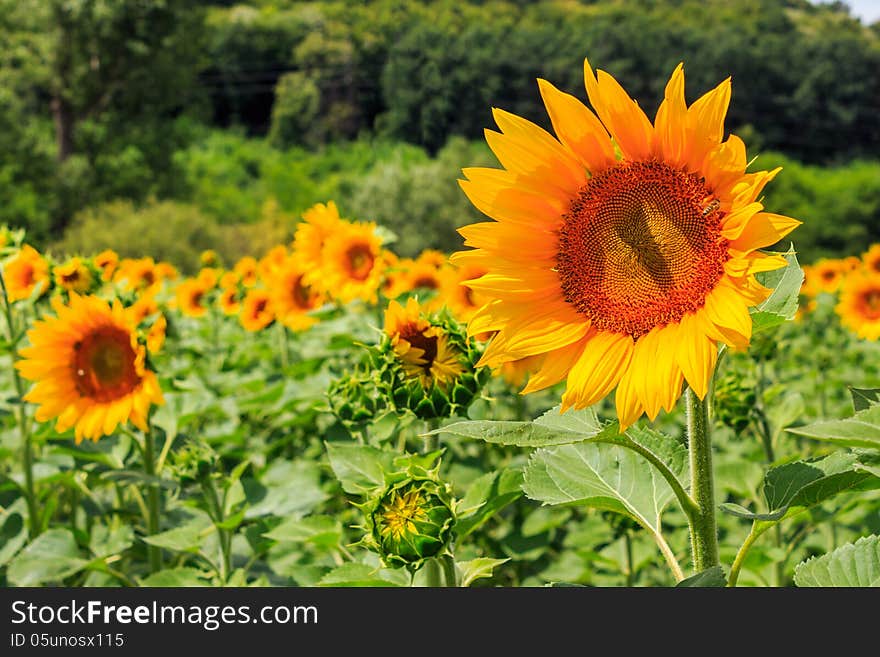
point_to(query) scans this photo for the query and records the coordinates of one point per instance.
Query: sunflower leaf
(860, 430)
(603, 476)
(52, 557)
(552, 428)
(853, 564)
(782, 304)
(864, 397)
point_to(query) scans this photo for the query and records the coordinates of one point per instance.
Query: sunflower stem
(704, 533)
(738, 561)
(216, 508)
(432, 570)
(449, 571)
(283, 345)
(23, 424)
(154, 552)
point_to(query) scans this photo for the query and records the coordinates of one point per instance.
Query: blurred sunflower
(423, 274)
(394, 280)
(351, 267)
(462, 301)
(246, 269)
(292, 298)
(827, 275)
(24, 273)
(139, 274)
(209, 258)
(74, 276)
(229, 301)
(107, 261)
(256, 310)
(190, 296)
(859, 305)
(208, 277)
(424, 350)
(143, 307)
(89, 369)
(871, 259)
(267, 265)
(319, 224)
(625, 272)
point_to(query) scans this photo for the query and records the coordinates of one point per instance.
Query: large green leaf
(794, 487)
(13, 532)
(853, 564)
(860, 430)
(782, 304)
(52, 556)
(552, 428)
(604, 476)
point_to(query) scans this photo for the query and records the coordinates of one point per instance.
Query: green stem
(283, 345)
(432, 570)
(704, 533)
(153, 551)
(23, 424)
(449, 571)
(217, 513)
(630, 575)
(733, 576)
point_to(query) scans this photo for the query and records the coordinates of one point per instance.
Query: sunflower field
(622, 376)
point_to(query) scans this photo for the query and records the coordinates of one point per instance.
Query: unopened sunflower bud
(410, 522)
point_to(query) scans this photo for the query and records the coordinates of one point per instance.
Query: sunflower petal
(578, 128)
(623, 117)
(605, 358)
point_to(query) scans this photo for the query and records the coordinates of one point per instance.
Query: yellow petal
(670, 122)
(623, 117)
(764, 229)
(696, 355)
(603, 361)
(705, 123)
(578, 128)
(629, 408)
(555, 367)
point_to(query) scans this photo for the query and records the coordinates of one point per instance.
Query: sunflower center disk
(872, 304)
(360, 261)
(640, 247)
(104, 365)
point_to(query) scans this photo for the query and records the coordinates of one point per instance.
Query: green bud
(411, 521)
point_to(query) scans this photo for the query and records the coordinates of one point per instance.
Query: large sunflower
(24, 273)
(623, 271)
(89, 368)
(351, 264)
(859, 305)
(292, 298)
